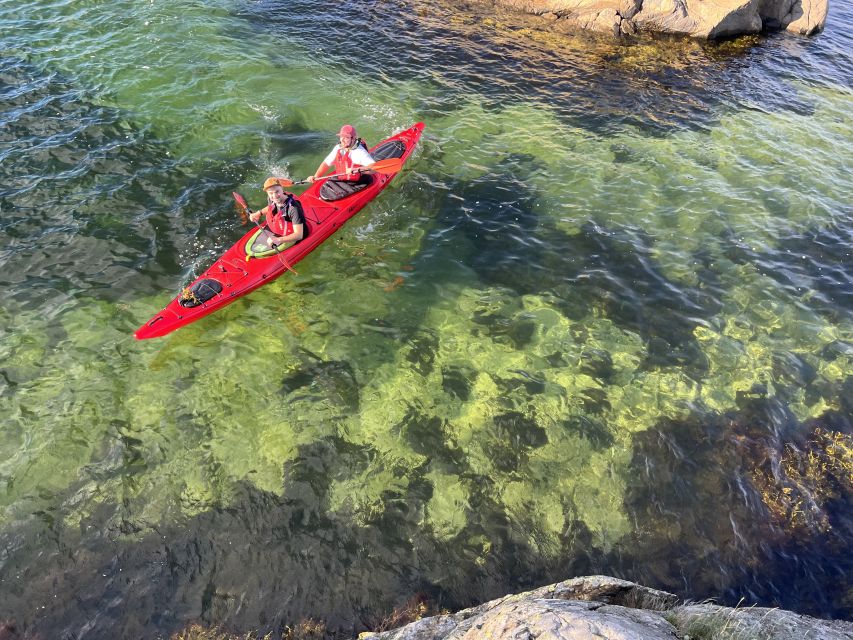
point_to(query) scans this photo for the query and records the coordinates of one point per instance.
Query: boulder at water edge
(698, 18)
(605, 607)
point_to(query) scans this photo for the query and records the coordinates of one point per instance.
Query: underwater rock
(421, 353)
(597, 433)
(520, 431)
(709, 19)
(517, 332)
(333, 380)
(605, 607)
(430, 437)
(597, 363)
(457, 381)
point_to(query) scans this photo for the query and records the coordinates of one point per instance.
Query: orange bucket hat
(271, 182)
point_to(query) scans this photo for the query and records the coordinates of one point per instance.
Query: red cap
(347, 130)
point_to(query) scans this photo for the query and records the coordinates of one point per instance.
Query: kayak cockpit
(257, 246)
(200, 292)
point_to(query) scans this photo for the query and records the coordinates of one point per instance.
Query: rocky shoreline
(709, 19)
(605, 607)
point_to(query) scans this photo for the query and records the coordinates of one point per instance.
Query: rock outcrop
(605, 607)
(712, 19)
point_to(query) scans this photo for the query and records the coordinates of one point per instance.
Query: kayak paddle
(391, 165)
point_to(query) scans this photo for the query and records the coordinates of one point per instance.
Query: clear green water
(611, 290)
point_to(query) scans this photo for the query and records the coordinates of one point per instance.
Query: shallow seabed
(602, 323)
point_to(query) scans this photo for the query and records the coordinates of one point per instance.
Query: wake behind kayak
(242, 269)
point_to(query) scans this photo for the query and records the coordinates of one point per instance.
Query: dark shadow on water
(750, 504)
(610, 270)
(265, 561)
(817, 264)
(656, 85)
(822, 258)
(429, 436)
(332, 380)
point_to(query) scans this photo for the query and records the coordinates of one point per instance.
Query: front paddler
(283, 208)
(349, 158)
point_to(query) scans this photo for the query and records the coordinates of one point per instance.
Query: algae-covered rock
(814, 475)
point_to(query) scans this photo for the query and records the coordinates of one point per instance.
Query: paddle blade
(240, 200)
(391, 165)
(242, 207)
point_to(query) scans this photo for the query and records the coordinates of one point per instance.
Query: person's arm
(294, 236)
(323, 168)
(256, 216)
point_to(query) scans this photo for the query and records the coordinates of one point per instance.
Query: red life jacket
(277, 220)
(344, 162)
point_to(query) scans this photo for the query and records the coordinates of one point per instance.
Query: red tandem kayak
(242, 268)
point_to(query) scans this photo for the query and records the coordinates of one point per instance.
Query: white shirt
(359, 156)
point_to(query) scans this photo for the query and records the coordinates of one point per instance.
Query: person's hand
(311, 179)
(254, 217)
(273, 241)
(352, 170)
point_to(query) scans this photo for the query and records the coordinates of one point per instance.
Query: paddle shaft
(391, 165)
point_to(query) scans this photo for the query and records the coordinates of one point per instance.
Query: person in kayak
(349, 157)
(283, 207)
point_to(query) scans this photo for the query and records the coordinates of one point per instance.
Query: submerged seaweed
(758, 460)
